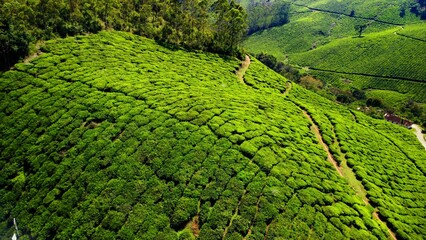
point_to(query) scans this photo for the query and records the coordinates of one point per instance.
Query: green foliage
(319, 41)
(279, 67)
(15, 36)
(124, 138)
(348, 56)
(379, 153)
(266, 14)
(199, 25)
(360, 28)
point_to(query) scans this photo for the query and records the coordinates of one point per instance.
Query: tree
(358, 94)
(360, 28)
(195, 24)
(268, 60)
(15, 36)
(230, 26)
(266, 14)
(238, 25)
(374, 102)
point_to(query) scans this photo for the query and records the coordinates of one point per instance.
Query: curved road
(419, 135)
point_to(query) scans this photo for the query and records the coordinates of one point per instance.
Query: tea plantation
(322, 36)
(112, 136)
(318, 22)
(389, 55)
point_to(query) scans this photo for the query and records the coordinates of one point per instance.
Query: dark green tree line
(209, 25)
(419, 8)
(266, 14)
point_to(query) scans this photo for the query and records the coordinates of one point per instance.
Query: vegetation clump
(216, 26)
(266, 14)
(114, 136)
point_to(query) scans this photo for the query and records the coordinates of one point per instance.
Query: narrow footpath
(243, 68)
(419, 134)
(317, 133)
(347, 173)
(37, 53)
(288, 86)
(344, 170)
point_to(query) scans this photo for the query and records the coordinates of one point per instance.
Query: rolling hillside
(321, 36)
(320, 21)
(112, 136)
(391, 57)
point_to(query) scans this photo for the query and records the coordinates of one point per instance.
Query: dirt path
(243, 68)
(28, 59)
(267, 231)
(376, 216)
(255, 216)
(346, 172)
(420, 135)
(288, 86)
(195, 226)
(317, 133)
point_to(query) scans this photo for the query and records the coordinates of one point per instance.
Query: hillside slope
(386, 57)
(321, 35)
(318, 22)
(349, 55)
(113, 136)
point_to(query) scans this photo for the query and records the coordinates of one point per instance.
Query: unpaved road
(317, 133)
(244, 66)
(420, 135)
(331, 159)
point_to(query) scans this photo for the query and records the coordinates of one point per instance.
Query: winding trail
(376, 216)
(288, 86)
(243, 68)
(234, 215)
(317, 133)
(37, 53)
(195, 226)
(346, 172)
(419, 135)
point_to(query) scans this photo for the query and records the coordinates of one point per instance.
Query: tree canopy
(216, 26)
(267, 14)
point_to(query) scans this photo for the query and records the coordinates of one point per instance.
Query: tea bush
(137, 141)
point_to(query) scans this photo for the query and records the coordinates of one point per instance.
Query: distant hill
(323, 39)
(112, 136)
(387, 55)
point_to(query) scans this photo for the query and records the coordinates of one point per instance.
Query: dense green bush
(147, 142)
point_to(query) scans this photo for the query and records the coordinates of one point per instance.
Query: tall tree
(15, 34)
(237, 25)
